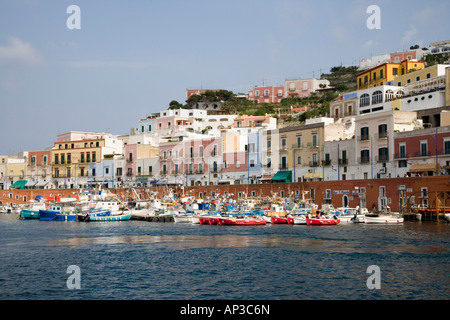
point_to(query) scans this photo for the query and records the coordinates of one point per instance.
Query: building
(375, 142)
(74, 153)
(266, 94)
(385, 73)
(40, 169)
(299, 88)
(423, 152)
(344, 106)
(440, 47)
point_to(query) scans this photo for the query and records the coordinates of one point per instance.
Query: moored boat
(321, 221)
(117, 217)
(278, 220)
(383, 219)
(31, 211)
(235, 221)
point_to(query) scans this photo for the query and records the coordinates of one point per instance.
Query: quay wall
(433, 190)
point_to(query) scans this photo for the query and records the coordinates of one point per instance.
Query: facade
(385, 73)
(423, 152)
(344, 106)
(298, 88)
(267, 94)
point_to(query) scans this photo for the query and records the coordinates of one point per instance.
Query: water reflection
(182, 242)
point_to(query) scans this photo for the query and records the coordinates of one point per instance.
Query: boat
(278, 220)
(447, 217)
(236, 221)
(31, 211)
(182, 218)
(314, 221)
(117, 217)
(209, 219)
(383, 219)
(56, 212)
(296, 219)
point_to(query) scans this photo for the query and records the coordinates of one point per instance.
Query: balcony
(364, 160)
(313, 163)
(296, 146)
(382, 158)
(343, 161)
(326, 162)
(363, 138)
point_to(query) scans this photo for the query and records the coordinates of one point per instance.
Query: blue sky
(131, 58)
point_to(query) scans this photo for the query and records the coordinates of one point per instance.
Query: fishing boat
(236, 221)
(31, 211)
(314, 221)
(56, 212)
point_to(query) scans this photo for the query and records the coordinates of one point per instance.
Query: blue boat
(117, 217)
(55, 213)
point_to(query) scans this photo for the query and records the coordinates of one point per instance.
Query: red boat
(321, 222)
(242, 222)
(290, 220)
(278, 220)
(209, 220)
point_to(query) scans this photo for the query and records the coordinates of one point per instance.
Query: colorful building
(266, 94)
(385, 73)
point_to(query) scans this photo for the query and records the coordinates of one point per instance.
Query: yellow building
(386, 72)
(72, 158)
(421, 74)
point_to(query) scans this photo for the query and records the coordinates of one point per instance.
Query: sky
(131, 58)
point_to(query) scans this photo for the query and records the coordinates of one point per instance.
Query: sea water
(142, 260)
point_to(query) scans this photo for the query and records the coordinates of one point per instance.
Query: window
(299, 142)
(383, 154)
(305, 85)
(382, 131)
(364, 100)
(365, 156)
(364, 133)
(314, 140)
(33, 160)
(266, 93)
(200, 151)
(402, 149)
(269, 144)
(377, 97)
(45, 159)
(299, 160)
(394, 71)
(269, 162)
(257, 94)
(381, 74)
(447, 146)
(283, 143)
(423, 148)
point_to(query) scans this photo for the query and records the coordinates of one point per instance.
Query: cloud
(19, 51)
(409, 35)
(107, 64)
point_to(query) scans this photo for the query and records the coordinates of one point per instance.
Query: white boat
(182, 218)
(347, 215)
(447, 217)
(383, 219)
(299, 219)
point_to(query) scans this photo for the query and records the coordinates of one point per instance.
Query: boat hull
(278, 220)
(48, 215)
(322, 222)
(241, 222)
(383, 220)
(182, 219)
(119, 217)
(30, 214)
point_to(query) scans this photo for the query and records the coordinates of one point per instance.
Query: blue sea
(139, 260)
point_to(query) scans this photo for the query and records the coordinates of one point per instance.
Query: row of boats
(225, 211)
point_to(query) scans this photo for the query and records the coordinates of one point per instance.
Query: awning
(19, 184)
(314, 175)
(41, 184)
(422, 167)
(285, 176)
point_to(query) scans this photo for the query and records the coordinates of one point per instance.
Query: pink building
(267, 94)
(130, 159)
